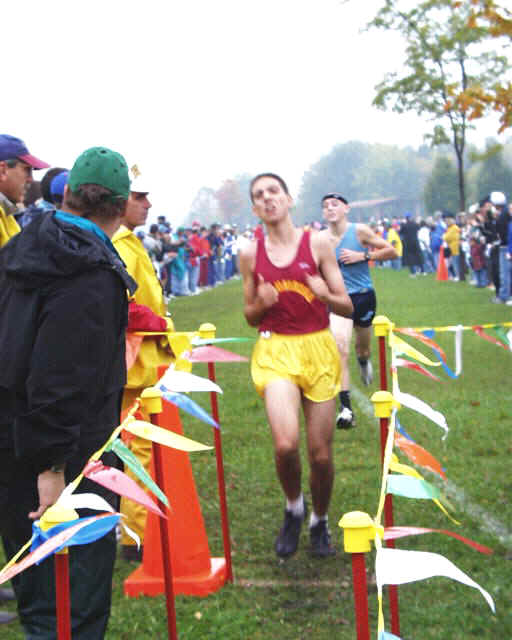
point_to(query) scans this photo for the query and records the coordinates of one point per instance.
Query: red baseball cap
(11, 147)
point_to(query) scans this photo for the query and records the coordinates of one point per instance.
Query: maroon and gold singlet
(297, 311)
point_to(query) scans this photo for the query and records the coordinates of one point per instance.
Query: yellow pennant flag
(400, 346)
(163, 436)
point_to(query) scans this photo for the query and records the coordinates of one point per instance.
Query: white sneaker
(509, 303)
(366, 373)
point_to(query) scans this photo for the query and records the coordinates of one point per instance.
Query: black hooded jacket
(63, 315)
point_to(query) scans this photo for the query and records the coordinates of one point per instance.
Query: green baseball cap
(102, 166)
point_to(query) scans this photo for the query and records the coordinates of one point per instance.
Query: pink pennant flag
(422, 338)
(120, 483)
(392, 533)
(481, 333)
(400, 362)
(213, 354)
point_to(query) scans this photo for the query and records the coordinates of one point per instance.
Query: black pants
(91, 565)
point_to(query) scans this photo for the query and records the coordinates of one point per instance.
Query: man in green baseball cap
(63, 295)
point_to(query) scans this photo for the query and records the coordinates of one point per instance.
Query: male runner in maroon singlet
(290, 278)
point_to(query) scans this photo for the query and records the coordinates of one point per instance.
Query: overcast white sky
(198, 91)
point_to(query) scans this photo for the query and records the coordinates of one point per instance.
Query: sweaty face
(334, 210)
(137, 209)
(16, 180)
(271, 203)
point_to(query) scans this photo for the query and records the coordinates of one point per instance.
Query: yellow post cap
(151, 400)
(207, 330)
(383, 403)
(382, 326)
(56, 515)
(358, 530)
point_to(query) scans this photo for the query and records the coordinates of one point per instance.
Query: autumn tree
(477, 100)
(444, 56)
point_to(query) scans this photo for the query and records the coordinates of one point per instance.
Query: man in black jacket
(63, 314)
(502, 222)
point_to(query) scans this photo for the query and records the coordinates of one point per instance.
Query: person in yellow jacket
(452, 239)
(16, 164)
(393, 237)
(149, 300)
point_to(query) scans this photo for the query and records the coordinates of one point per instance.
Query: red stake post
(358, 530)
(62, 597)
(152, 400)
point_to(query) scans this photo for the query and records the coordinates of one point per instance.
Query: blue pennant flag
(96, 530)
(184, 402)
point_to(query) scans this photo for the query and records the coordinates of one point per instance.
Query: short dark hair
(93, 200)
(268, 175)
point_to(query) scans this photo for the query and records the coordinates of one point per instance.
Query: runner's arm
(380, 249)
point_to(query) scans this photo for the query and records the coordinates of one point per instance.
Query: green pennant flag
(134, 465)
(408, 487)
(500, 332)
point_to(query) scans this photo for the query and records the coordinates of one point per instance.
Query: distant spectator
(412, 255)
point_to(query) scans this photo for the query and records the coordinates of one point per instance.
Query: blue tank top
(356, 276)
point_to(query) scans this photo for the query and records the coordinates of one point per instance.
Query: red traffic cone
(442, 271)
(194, 571)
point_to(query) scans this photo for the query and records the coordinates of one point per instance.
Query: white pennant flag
(181, 381)
(84, 501)
(396, 566)
(407, 400)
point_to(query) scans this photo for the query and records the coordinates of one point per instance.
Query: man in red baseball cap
(16, 164)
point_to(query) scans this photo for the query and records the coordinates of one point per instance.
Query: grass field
(305, 598)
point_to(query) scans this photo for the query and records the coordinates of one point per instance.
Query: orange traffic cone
(442, 271)
(194, 571)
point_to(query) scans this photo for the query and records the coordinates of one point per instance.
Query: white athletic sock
(314, 519)
(296, 506)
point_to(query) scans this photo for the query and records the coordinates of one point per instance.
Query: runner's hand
(266, 292)
(318, 286)
(347, 256)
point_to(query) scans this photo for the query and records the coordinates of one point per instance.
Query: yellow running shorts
(311, 361)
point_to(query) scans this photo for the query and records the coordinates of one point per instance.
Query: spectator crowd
(477, 244)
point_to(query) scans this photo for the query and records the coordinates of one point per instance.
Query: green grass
(302, 598)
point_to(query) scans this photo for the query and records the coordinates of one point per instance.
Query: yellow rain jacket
(452, 237)
(143, 373)
(394, 239)
(8, 225)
